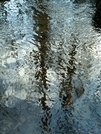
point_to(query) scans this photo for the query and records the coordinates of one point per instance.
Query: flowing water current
(50, 67)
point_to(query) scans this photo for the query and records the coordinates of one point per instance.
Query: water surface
(50, 57)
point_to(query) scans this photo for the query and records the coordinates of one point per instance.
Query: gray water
(50, 67)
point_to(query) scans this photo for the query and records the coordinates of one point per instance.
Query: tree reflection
(66, 81)
(41, 28)
(45, 58)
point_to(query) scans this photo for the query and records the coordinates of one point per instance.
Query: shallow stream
(50, 67)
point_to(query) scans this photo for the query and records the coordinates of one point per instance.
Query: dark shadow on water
(27, 118)
(21, 119)
(97, 20)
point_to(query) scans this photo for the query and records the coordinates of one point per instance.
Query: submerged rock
(78, 86)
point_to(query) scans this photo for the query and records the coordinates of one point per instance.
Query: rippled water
(50, 64)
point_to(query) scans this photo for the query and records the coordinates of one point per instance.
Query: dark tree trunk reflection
(41, 28)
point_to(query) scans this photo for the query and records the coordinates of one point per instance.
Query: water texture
(50, 67)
